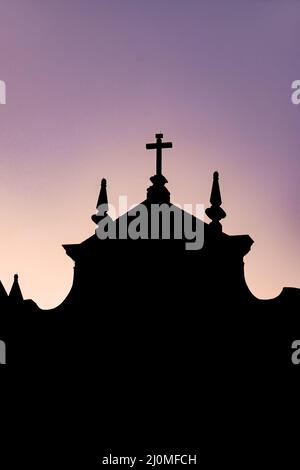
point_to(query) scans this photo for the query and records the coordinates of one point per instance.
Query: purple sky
(90, 82)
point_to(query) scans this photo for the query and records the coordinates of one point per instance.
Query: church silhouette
(156, 346)
(144, 290)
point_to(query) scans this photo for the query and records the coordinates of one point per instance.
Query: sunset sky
(89, 82)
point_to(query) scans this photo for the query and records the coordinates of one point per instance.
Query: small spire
(3, 293)
(15, 293)
(102, 204)
(215, 212)
(102, 199)
(215, 197)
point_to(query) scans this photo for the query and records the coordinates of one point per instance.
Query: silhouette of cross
(159, 145)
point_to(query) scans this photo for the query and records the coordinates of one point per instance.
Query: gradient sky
(89, 82)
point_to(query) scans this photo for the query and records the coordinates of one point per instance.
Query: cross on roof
(159, 145)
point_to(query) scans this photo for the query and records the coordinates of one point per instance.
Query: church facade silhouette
(160, 274)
